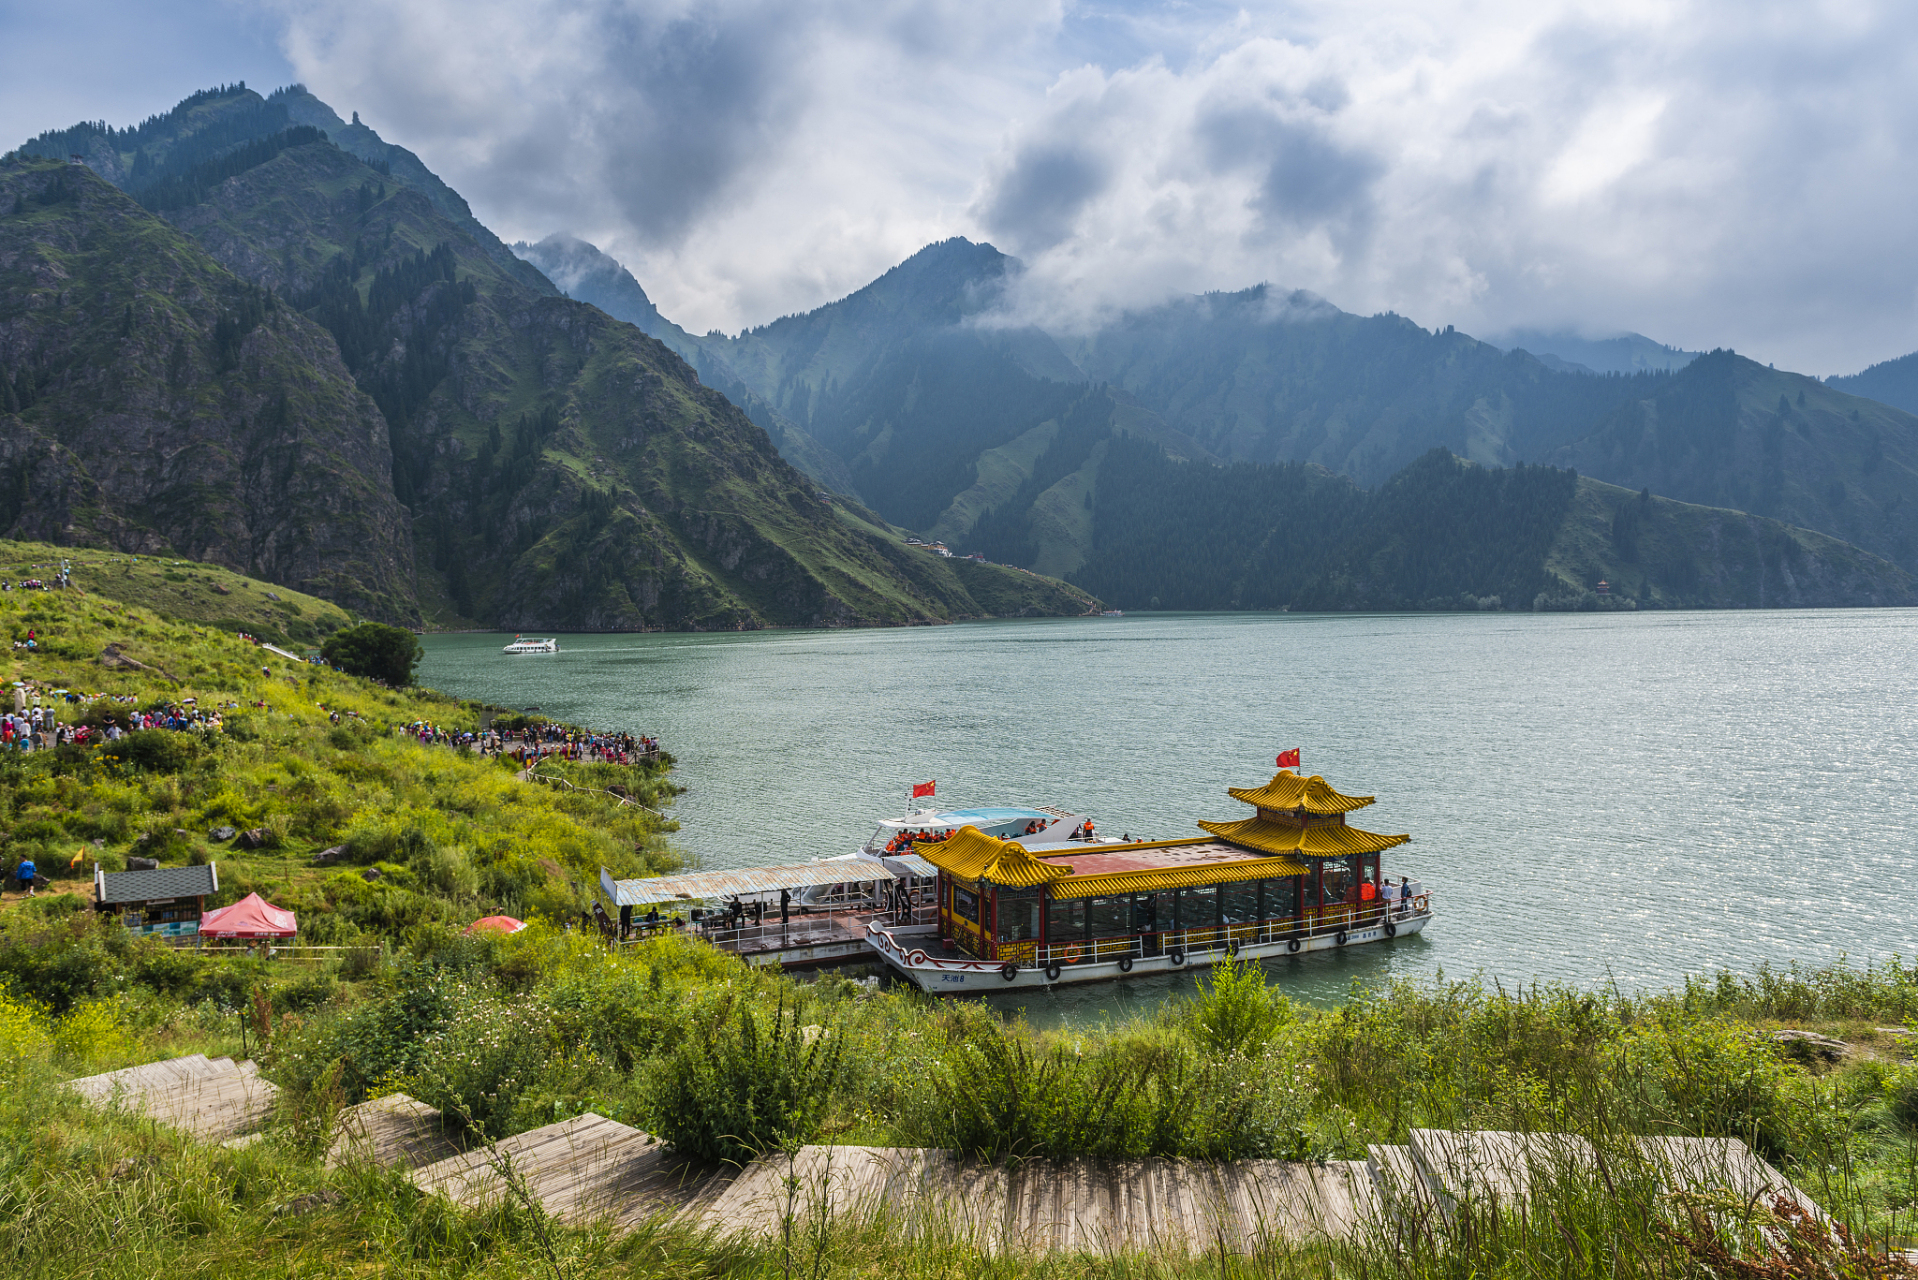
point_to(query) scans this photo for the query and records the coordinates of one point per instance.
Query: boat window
(1066, 921)
(1242, 902)
(1153, 912)
(1281, 900)
(965, 905)
(1199, 907)
(1109, 916)
(1018, 915)
(1335, 882)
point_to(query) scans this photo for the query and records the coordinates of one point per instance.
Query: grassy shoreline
(723, 1061)
(524, 1030)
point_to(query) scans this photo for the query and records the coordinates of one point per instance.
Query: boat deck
(810, 939)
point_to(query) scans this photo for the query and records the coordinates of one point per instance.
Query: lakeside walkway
(590, 1169)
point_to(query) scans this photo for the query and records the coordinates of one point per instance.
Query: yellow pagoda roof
(1312, 842)
(1150, 880)
(971, 854)
(1288, 790)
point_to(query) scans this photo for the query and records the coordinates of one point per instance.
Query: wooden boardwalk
(590, 1169)
(1439, 1169)
(212, 1099)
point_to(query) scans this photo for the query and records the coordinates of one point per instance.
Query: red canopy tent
(496, 924)
(250, 917)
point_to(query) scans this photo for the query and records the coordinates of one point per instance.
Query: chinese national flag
(922, 789)
(1289, 759)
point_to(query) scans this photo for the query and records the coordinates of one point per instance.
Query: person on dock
(785, 907)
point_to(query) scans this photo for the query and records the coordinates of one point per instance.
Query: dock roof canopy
(1288, 790)
(971, 854)
(1311, 842)
(702, 885)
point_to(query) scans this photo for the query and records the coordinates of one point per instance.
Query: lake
(1592, 798)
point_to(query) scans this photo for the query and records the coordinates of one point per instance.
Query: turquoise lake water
(1619, 798)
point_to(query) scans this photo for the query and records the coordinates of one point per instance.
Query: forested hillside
(152, 401)
(1443, 534)
(560, 468)
(1729, 432)
(1892, 382)
(913, 393)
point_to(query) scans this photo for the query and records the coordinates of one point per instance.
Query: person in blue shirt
(24, 873)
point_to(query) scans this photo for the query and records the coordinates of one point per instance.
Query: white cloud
(1708, 173)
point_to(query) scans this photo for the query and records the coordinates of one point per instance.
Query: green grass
(183, 591)
(453, 836)
(624, 1035)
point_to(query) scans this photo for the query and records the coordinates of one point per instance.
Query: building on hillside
(164, 903)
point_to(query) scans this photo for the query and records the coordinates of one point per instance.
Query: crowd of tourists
(539, 742)
(40, 726)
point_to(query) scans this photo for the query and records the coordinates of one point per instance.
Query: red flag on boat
(1289, 759)
(920, 790)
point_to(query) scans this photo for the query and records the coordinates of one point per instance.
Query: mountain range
(252, 333)
(463, 442)
(945, 418)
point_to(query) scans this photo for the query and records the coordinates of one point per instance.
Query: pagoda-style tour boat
(1294, 877)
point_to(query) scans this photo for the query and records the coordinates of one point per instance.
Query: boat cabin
(927, 826)
(1295, 868)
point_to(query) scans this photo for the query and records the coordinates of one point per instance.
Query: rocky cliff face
(156, 402)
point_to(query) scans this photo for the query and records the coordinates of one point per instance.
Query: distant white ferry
(522, 645)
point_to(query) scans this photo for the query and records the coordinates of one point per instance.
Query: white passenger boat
(1018, 912)
(522, 645)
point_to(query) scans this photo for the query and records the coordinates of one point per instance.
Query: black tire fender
(1125, 964)
(1008, 971)
(1052, 972)
(1293, 945)
(1177, 957)
(1391, 930)
(1341, 938)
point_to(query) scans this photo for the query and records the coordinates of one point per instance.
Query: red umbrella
(250, 917)
(496, 924)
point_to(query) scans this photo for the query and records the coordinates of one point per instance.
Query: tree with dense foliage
(375, 650)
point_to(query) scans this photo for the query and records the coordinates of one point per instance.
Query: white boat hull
(914, 954)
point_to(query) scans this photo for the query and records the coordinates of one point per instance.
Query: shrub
(742, 1082)
(1239, 1012)
(152, 750)
(476, 1067)
(375, 650)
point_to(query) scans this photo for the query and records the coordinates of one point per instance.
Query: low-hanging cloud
(1706, 172)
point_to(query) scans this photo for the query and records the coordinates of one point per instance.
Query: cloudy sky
(1707, 172)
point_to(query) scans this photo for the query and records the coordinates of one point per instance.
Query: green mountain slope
(562, 469)
(1623, 353)
(1892, 382)
(155, 402)
(182, 591)
(404, 167)
(1263, 376)
(1444, 534)
(1729, 432)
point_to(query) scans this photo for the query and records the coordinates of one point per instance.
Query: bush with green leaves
(1136, 1094)
(376, 651)
(743, 1079)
